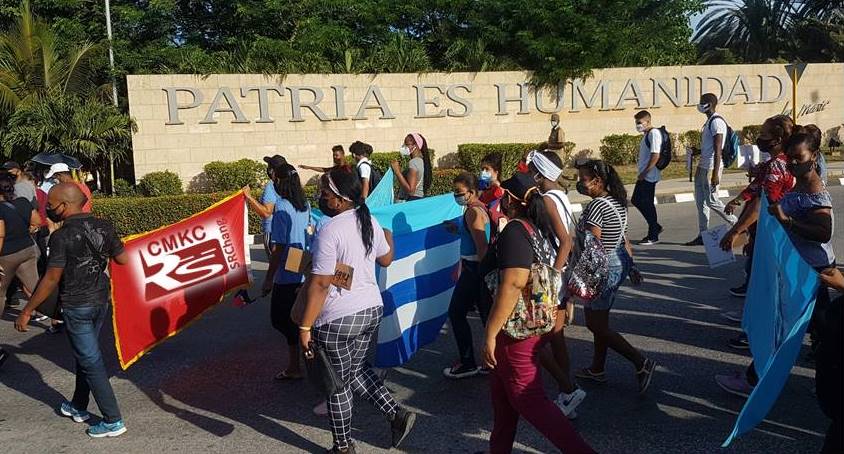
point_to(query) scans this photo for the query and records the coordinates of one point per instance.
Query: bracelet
(304, 328)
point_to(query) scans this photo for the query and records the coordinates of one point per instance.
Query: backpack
(730, 152)
(536, 310)
(374, 175)
(665, 151)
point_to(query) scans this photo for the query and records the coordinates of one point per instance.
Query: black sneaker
(401, 424)
(696, 242)
(3, 356)
(739, 292)
(336, 450)
(459, 371)
(646, 241)
(739, 343)
(644, 376)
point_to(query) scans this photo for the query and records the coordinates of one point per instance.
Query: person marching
(342, 318)
(415, 182)
(474, 240)
(605, 217)
(338, 158)
(649, 175)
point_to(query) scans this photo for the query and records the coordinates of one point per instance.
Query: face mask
(404, 150)
(53, 215)
(764, 145)
(799, 170)
(703, 108)
(640, 128)
(522, 167)
(461, 200)
(582, 188)
(486, 180)
(554, 124)
(323, 206)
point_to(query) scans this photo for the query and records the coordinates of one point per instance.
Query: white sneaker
(569, 402)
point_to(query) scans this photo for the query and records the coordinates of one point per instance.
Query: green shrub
(750, 133)
(231, 176)
(156, 184)
(123, 188)
(620, 149)
(471, 154)
(689, 139)
(132, 215)
(442, 182)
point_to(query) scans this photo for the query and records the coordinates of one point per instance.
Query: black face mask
(323, 206)
(581, 188)
(765, 145)
(53, 215)
(799, 170)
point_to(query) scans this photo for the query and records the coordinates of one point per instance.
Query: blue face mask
(486, 180)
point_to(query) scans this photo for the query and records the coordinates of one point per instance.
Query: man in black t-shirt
(78, 264)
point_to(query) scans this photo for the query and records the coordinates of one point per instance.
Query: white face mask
(404, 150)
(554, 124)
(640, 128)
(703, 108)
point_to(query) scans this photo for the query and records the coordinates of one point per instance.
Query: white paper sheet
(711, 242)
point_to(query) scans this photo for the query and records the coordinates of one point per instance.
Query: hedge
(750, 133)
(231, 176)
(156, 184)
(132, 215)
(471, 154)
(689, 139)
(620, 149)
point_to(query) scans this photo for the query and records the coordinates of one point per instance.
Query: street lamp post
(113, 84)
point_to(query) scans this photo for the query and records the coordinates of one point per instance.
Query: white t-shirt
(713, 126)
(364, 171)
(561, 200)
(645, 154)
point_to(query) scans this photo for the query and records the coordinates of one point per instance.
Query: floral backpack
(536, 309)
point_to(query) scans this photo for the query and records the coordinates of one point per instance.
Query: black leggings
(284, 295)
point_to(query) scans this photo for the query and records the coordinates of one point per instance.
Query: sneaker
(39, 317)
(55, 329)
(645, 375)
(4, 355)
(569, 402)
(587, 374)
(459, 370)
(66, 409)
(321, 408)
(735, 384)
(740, 342)
(734, 316)
(696, 242)
(646, 241)
(336, 450)
(106, 429)
(401, 424)
(739, 292)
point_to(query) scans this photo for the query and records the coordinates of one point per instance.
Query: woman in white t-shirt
(546, 167)
(415, 182)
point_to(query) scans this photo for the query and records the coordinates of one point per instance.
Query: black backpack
(374, 175)
(665, 152)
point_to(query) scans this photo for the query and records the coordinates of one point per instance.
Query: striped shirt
(609, 216)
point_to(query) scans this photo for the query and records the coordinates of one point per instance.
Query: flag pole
(794, 93)
(113, 85)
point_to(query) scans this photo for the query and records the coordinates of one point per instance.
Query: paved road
(210, 389)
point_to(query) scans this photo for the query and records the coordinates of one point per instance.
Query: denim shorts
(619, 268)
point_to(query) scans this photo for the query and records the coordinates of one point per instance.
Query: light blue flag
(382, 195)
(777, 312)
(416, 288)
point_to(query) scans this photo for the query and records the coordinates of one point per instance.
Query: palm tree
(31, 67)
(90, 130)
(759, 30)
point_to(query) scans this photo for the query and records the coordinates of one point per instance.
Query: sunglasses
(597, 166)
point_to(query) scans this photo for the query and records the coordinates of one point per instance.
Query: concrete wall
(185, 121)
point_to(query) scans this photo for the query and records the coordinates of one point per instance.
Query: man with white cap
(61, 172)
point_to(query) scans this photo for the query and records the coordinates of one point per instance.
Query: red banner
(175, 274)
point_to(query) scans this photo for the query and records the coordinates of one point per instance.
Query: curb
(682, 197)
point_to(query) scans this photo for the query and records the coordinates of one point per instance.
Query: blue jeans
(620, 263)
(83, 324)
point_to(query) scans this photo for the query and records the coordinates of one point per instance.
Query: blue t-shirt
(290, 228)
(800, 205)
(269, 196)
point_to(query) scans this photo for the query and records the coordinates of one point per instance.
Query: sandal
(587, 373)
(284, 376)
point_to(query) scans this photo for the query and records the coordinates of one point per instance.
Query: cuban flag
(417, 286)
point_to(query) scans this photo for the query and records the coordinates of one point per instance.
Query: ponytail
(429, 168)
(365, 225)
(538, 215)
(615, 187)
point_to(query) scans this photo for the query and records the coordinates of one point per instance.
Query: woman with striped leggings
(344, 306)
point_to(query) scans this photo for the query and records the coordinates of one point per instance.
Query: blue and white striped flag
(417, 286)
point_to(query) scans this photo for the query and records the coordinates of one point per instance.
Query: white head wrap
(546, 168)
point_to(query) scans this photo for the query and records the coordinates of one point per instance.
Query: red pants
(516, 388)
